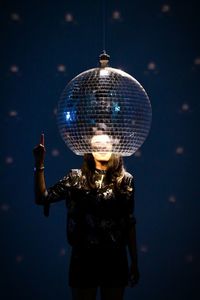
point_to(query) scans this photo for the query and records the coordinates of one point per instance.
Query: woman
(100, 221)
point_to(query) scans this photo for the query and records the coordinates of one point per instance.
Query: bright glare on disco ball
(108, 102)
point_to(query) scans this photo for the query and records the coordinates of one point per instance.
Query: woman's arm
(54, 193)
(39, 179)
(134, 274)
(39, 185)
(132, 240)
(132, 244)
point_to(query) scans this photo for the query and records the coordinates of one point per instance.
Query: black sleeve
(129, 187)
(57, 192)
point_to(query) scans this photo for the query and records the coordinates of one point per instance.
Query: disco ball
(104, 101)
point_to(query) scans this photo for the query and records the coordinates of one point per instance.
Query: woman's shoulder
(75, 173)
(128, 179)
(71, 174)
(128, 176)
(76, 178)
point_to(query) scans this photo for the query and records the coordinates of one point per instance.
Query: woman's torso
(97, 217)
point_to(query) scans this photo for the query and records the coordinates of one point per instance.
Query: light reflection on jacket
(98, 217)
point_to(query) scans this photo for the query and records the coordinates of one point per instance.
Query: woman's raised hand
(39, 152)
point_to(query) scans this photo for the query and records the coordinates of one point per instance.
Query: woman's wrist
(39, 167)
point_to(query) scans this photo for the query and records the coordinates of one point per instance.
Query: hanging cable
(104, 24)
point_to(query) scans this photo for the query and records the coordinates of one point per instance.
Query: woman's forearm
(132, 243)
(39, 180)
(39, 185)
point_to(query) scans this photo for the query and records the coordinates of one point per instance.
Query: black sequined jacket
(100, 217)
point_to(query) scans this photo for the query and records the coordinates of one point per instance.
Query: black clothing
(98, 223)
(105, 293)
(94, 267)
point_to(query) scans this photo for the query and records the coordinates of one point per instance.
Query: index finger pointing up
(42, 139)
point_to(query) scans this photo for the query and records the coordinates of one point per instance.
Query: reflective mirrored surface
(104, 101)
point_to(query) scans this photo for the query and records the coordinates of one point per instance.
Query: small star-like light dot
(138, 153)
(189, 258)
(15, 17)
(185, 107)
(69, 17)
(61, 68)
(165, 8)
(62, 252)
(151, 66)
(14, 69)
(9, 160)
(116, 15)
(197, 61)
(19, 258)
(55, 152)
(144, 248)
(5, 207)
(172, 199)
(179, 150)
(13, 113)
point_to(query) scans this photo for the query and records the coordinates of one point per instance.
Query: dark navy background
(44, 44)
